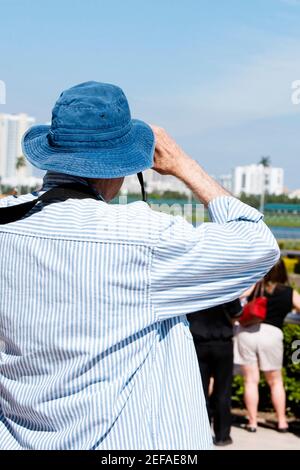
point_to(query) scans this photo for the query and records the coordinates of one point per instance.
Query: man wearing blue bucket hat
(96, 351)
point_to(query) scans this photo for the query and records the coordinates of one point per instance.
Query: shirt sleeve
(5, 201)
(198, 268)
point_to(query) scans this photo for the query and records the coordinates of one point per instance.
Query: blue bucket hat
(91, 135)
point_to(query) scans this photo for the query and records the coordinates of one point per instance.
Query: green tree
(265, 161)
(21, 162)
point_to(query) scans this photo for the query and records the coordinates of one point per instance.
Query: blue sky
(216, 74)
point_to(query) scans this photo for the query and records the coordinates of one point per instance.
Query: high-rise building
(256, 179)
(155, 183)
(12, 128)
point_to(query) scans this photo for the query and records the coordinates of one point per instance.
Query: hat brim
(130, 155)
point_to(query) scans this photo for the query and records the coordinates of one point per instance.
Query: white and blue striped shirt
(96, 349)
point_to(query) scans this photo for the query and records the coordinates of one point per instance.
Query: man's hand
(169, 158)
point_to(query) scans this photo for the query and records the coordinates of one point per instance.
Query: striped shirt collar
(52, 179)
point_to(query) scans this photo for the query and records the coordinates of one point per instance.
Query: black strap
(141, 180)
(61, 193)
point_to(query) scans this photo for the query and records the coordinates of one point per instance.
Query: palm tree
(20, 163)
(265, 161)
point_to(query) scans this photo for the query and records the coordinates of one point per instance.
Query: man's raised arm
(198, 268)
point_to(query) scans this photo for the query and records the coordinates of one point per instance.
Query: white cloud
(261, 89)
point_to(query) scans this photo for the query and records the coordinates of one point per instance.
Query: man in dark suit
(212, 330)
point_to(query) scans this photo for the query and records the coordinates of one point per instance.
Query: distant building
(226, 181)
(12, 128)
(254, 179)
(155, 183)
(295, 194)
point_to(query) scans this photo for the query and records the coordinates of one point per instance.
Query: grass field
(281, 220)
(289, 244)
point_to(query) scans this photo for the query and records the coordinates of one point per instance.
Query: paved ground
(263, 439)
